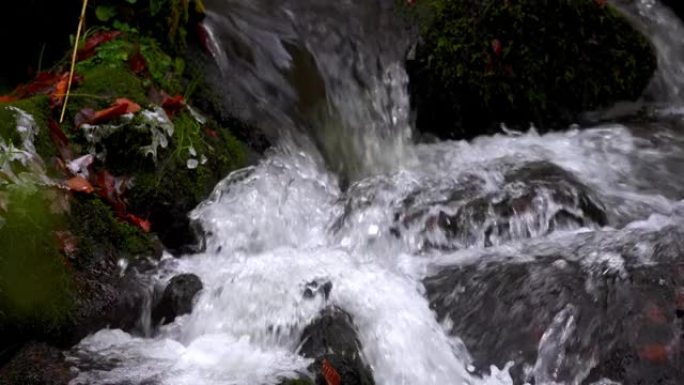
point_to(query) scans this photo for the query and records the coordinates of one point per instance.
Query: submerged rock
(331, 340)
(37, 364)
(177, 298)
(482, 63)
(535, 199)
(572, 315)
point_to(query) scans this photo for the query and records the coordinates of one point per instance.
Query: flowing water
(422, 243)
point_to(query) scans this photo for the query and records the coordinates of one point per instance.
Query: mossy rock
(38, 108)
(165, 190)
(486, 62)
(101, 236)
(35, 278)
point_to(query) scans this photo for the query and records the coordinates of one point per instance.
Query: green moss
(486, 62)
(103, 84)
(38, 108)
(35, 282)
(103, 237)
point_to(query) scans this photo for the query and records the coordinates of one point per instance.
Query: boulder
(482, 63)
(563, 318)
(177, 298)
(332, 342)
(534, 200)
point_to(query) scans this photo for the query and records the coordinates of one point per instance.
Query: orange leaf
(78, 184)
(330, 374)
(7, 99)
(131, 106)
(57, 96)
(95, 41)
(143, 224)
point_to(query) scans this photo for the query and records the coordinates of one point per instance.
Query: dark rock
(36, 364)
(676, 6)
(332, 337)
(533, 200)
(314, 288)
(604, 322)
(482, 63)
(177, 299)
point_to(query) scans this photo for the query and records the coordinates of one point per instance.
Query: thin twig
(81, 21)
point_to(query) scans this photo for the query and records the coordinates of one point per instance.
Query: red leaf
(7, 99)
(78, 184)
(172, 104)
(497, 47)
(95, 41)
(211, 133)
(119, 107)
(59, 93)
(143, 224)
(108, 190)
(60, 139)
(330, 374)
(137, 63)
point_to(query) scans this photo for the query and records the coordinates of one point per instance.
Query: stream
(511, 258)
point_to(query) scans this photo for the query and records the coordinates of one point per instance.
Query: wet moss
(103, 84)
(38, 108)
(35, 280)
(101, 236)
(482, 63)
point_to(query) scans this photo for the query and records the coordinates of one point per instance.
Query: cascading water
(422, 242)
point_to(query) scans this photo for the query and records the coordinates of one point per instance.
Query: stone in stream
(533, 200)
(36, 364)
(332, 337)
(563, 318)
(177, 298)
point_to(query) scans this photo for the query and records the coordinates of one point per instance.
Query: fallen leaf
(211, 133)
(143, 224)
(137, 63)
(330, 374)
(7, 99)
(111, 189)
(172, 104)
(118, 108)
(96, 40)
(60, 139)
(59, 93)
(79, 184)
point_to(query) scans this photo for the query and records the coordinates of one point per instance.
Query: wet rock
(312, 289)
(482, 63)
(177, 298)
(614, 318)
(332, 338)
(36, 364)
(533, 200)
(676, 6)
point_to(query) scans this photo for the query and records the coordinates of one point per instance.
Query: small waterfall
(509, 258)
(333, 70)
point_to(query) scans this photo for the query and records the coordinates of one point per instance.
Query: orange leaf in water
(79, 184)
(330, 374)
